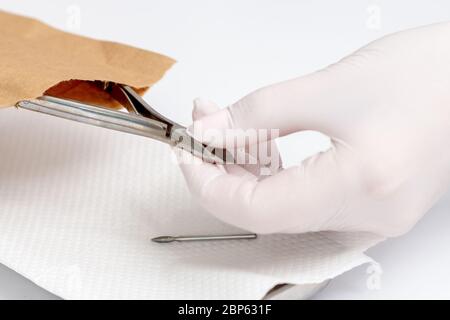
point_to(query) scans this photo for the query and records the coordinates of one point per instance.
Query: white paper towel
(79, 205)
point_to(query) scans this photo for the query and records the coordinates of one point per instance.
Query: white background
(226, 49)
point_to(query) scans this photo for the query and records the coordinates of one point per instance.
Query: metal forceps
(141, 119)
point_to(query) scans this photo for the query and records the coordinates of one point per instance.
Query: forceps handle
(97, 116)
(126, 122)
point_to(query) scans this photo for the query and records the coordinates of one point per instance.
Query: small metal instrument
(141, 119)
(168, 239)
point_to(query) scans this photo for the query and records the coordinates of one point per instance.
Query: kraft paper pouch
(36, 59)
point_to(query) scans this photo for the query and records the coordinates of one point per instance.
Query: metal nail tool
(141, 119)
(168, 239)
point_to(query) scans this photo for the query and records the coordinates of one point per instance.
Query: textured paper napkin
(79, 205)
(35, 58)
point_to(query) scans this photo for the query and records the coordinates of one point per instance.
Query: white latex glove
(386, 109)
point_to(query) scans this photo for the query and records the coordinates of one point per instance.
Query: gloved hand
(386, 109)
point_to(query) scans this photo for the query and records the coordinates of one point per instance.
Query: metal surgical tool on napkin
(142, 120)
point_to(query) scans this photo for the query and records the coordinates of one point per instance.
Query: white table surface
(226, 49)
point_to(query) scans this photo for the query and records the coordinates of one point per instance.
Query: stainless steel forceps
(141, 119)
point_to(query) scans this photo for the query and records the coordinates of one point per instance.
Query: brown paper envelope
(36, 59)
